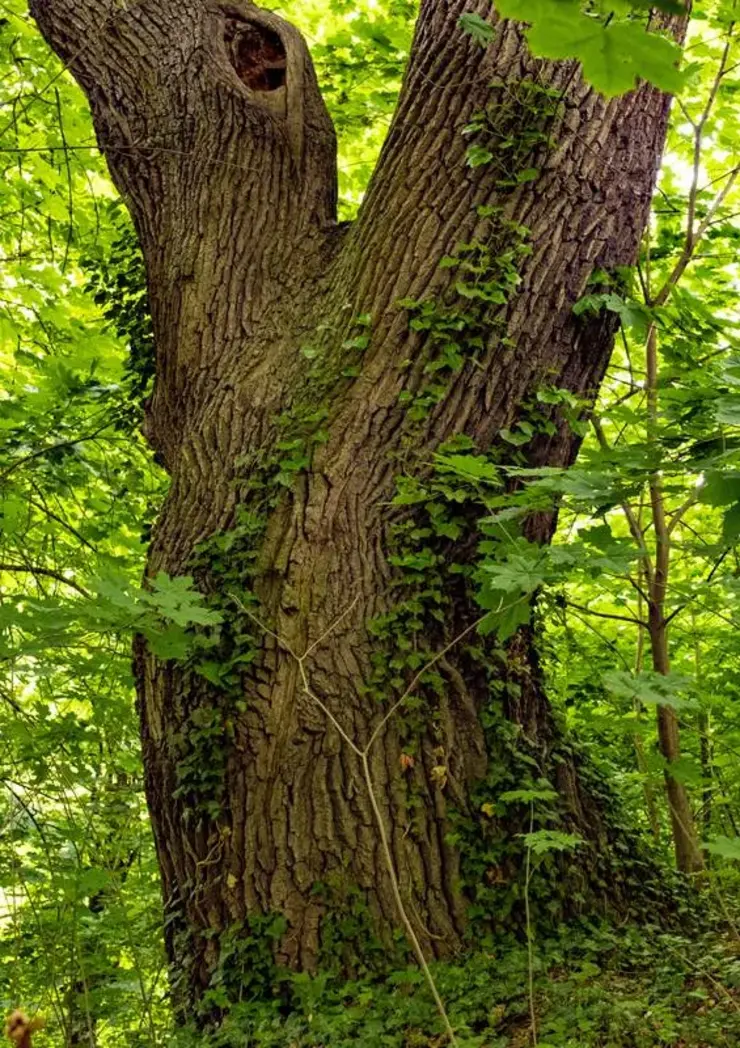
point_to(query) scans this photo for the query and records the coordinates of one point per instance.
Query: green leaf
(506, 615)
(728, 410)
(471, 467)
(175, 599)
(614, 53)
(477, 27)
(478, 155)
(529, 174)
(633, 315)
(725, 847)
(517, 574)
(720, 488)
(731, 524)
(543, 841)
(528, 796)
(649, 688)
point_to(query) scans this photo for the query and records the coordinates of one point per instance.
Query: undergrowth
(594, 987)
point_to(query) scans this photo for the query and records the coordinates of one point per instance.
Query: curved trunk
(302, 369)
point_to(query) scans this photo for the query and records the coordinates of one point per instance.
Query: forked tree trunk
(294, 389)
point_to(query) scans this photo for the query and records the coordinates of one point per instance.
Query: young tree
(305, 370)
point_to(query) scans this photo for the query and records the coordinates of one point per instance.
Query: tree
(307, 374)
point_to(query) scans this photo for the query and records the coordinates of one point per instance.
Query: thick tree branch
(423, 177)
(583, 205)
(157, 72)
(215, 132)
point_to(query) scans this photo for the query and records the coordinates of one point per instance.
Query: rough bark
(225, 154)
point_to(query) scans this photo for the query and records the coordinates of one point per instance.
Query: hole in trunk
(257, 54)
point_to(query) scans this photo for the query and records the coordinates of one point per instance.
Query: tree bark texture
(216, 134)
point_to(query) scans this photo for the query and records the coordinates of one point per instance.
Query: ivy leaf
(477, 156)
(528, 796)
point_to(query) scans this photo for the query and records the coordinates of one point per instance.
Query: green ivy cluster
(594, 987)
(512, 129)
(459, 327)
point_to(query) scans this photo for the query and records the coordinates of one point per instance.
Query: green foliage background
(80, 911)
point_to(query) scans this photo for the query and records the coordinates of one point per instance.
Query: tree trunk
(689, 857)
(651, 807)
(303, 367)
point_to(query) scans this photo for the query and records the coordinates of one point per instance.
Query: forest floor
(591, 987)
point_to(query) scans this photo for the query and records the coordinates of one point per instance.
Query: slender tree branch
(605, 640)
(636, 530)
(606, 615)
(43, 508)
(33, 569)
(707, 580)
(48, 450)
(677, 516)
(695, 233)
